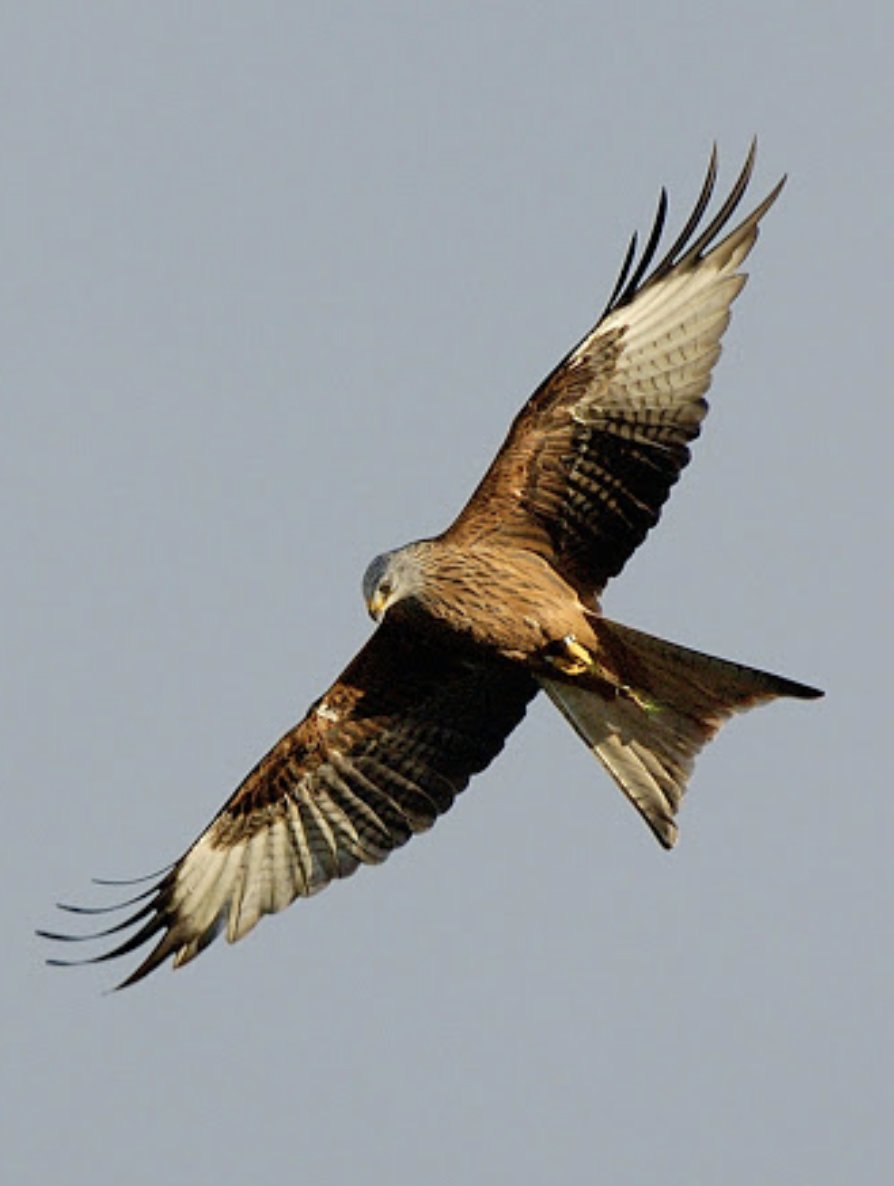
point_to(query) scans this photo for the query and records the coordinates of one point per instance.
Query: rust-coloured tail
(669, 703)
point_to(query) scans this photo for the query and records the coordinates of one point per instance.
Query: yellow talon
(573, 659)
(569, 656)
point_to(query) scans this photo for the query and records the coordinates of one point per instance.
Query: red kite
(474, 622)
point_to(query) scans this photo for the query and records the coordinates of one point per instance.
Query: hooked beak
(376, 606)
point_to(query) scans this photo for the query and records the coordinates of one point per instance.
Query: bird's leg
(569, 656)
(572, 659)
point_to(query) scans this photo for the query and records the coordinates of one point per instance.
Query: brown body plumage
(504, 603)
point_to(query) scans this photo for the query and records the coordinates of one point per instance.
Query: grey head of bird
(392, 577)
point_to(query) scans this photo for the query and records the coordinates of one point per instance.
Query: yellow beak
(376, 606)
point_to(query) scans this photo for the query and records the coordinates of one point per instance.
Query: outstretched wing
(376, 759)
(591, 458)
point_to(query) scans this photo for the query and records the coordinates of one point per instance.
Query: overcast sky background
(275, 279)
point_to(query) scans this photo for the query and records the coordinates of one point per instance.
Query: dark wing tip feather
(629, 257)
(686, 250)
(117, 881)
(627, 284)
(151, 914)
(72, 909)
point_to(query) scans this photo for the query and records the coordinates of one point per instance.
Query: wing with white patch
(377, 759)
(591, 458)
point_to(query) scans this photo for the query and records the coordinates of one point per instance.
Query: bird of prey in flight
(474, 622)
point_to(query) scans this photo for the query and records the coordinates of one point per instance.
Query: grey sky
(275, 279)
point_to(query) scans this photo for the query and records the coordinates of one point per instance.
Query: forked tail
(669, 703)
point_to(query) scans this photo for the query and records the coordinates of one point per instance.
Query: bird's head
(389, 578)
